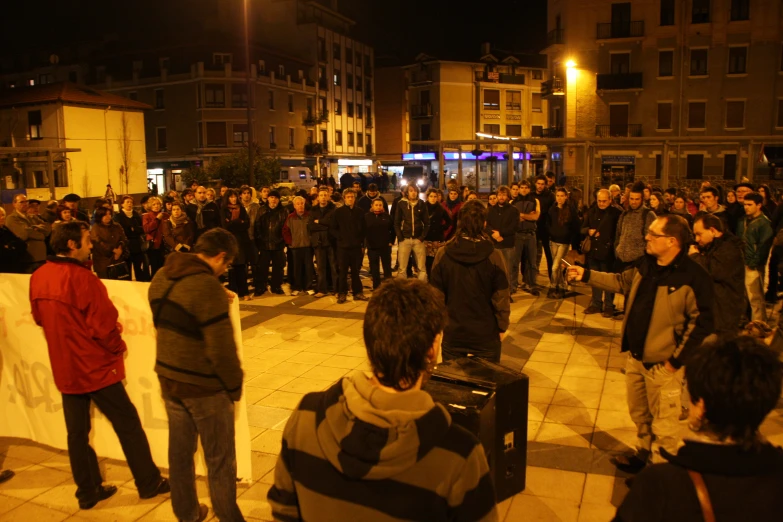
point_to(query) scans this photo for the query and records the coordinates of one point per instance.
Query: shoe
(278, 291)
(535, 292)
(6, 475)
(631, 462)
(592, 309)
(360, 297)
(560, 293)
(248, 298)
(163, 487)
(551, 293)
(203, 511)
(104, 492)
(258, 293)
(510, 299)
(341, 298)
(295, 293)
(319, 295)
(608, 311)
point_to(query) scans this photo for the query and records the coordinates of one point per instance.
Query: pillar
(441, 165)
(751, 162)
(665, 161)
(50, 173)
(511, 174)
(459, 165)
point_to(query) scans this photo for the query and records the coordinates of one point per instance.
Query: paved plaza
(577, 416)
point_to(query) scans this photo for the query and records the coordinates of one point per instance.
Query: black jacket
(348, 227)
(723, 259)
(526, 205)
(210, 215)
(13, 253)
(439, 220)
(240, 229)
(411, 220)
(472, 276)
(319, 232)
(365, 203)
(380, 230)
(545, 200)
(133, 228)
(605, 224)
(269, 228)
(742, 486)
(566, 232)
(504, 219)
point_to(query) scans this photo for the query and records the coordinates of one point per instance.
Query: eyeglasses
(654, 235)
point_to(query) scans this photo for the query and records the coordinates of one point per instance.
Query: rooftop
(66, 93)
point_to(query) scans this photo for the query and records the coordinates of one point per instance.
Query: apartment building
(666, 70)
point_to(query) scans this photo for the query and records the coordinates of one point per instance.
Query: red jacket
(80, 325)
(152, 228)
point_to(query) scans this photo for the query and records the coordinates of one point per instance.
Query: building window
(322, 50)
(740, 10)
(368, 64)
(337, 77)
(694, 166)
(133, 95)
(697, 115)
(664, 116)
(735, 114)
(699, 62)
(160, 100)
(291, 138)
(658, 165)
(730, 166)
(349, 56)
(701, 12)
(238, 95)
(271, 100)
(359, 111)
(779, 123)
(360, 139)
(310, 137)
(73, 77)
(537, 131)
(491, 100)
(349, 105)
(349, 81)
(338, 107)
(221, 58)
(358, 81)
(425, 131)
(281, 71)
(161, 144)
(290, 103)
(214, 95)
(324, 139)
(336, 51)
(492, 128)
(513, 130)
(240, 134)
(514, 100)
(536, 107)
(216, 134)
(34, 124)
(43, 79)
(272, 137)
(738, 59)
(667, 12)
(537, 74)
(665, 64)
(338, 138)
(351, 141)
(369, 140)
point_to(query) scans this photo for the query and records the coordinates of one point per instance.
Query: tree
(232, 170)
(125, 153)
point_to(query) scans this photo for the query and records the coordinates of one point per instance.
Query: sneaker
(295, 293)
(341, 298)
(592, 309)
(319, 295)
(535, 292)
(608, 311)
(163, 487)
(360, 297)
(560, 293)
(104, 492)
(278, 291)
(247, 298)
(631, 462)
(551, 293)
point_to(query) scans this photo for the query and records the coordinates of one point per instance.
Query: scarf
(129, 214)
(451, 204)
(181, 220)
(234, 211)
(199, 217)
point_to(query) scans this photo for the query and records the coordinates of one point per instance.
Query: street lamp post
(251, 170)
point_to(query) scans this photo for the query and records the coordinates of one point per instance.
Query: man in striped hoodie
(375, 446)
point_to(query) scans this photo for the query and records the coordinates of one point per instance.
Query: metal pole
(511, 174)
(50, 172)
(665, 162)
(441, 166)
(250, 159)
(459, 166)
(751, 162)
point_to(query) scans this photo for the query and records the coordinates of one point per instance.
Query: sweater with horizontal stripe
(356, 452)
(196, 353)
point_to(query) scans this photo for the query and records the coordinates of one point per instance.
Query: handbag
(118, 271)
(704, 496)
(586, 245)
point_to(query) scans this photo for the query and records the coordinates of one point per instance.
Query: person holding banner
(86, 352)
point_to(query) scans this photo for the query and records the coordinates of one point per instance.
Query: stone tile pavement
(577, 414)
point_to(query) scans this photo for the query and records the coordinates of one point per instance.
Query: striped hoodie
(355, 452)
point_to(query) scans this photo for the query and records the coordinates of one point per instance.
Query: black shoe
(278, 291)
(510, 299)
(360, 297)
(163, 487)
(608, 311)
(560, 293)
(259, 293)
(592, 309)
(630, 463)
(535, 292)
(6, 475)
(341, 298)
(551, 293)
(104, 492)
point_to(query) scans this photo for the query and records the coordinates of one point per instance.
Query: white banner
(31, 405)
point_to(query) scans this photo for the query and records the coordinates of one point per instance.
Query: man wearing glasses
(668, 313)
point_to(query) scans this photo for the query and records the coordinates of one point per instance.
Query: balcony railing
(513, 106)
(552, 132)
(420, 78)
(421, 111)
(554, 37)
(368, 149)
(611, 30)
(316, 149)
(619, 82)
(323, 116)
(498, 77)
(552, 87)
(630, 130)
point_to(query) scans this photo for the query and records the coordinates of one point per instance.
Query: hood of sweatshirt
(179, 265)
(373, 434)
(468, 251)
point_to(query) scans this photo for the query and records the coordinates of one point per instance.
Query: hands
(592, 231)
(117, 252)
(231, 295)
(575, 273)
(496, 236)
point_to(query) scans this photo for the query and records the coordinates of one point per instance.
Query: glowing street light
(570, 64)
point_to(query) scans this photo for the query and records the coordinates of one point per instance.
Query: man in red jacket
(86, 352)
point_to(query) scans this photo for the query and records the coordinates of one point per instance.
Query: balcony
(309, 119)
(628, 130)
(554, 37)
(552, 132)
(316, 149)
(423, 148)
(323, 116)
(611, 30)
(619, 82)
(497, 77)
(552, 87)
(419, 78)
(368, 149)
(513, 106)
(421, 111)
(322, 85)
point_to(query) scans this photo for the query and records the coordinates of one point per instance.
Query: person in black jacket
(545, 201)
(380, 238)
(411, 224)
(525, 239)
(601, 226)
(502, 224)
(13, 251)
(236, 220)
(270, 243)
(348, 228)
(204, 213)
(323, 244)
(471, 274)
(440, 222)
(734, 384)
(563, 226)
(131, 223)
(365, 202)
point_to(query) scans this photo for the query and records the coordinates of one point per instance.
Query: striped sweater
(355, 452)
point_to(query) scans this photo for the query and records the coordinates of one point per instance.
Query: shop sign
(619, 160)
(419, 156)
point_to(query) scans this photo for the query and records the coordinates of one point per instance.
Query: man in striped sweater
(375, 446)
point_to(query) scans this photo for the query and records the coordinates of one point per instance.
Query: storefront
(170, 175)
(618, 170)
(354, 166)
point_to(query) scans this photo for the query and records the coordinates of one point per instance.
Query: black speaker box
(490, 401)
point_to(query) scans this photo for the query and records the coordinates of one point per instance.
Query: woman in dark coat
(131, 223)
(440, 222)
(152, 220)
(13, 251)
(109, 244)
(178, 230)
(234, 218)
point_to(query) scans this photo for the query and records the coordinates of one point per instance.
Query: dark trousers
(525, 257)
(543, 245)
(378, 257)
(301, 274)
(114, 403)
(349, 258)
(602, 299)
(237, 280)
(211, 419)
(326, 265)
(155, 256)
(138, 265)
(277, 259)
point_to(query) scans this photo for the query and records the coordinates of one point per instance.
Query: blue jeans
(608, 297)
(404, 248)
(559, 250)
(212, 419)
(525, 253)
(511, 266)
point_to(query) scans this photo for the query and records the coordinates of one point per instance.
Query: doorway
(618, 120)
